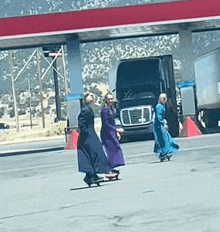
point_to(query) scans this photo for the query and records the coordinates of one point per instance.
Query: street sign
(51, 50)
(53, 54)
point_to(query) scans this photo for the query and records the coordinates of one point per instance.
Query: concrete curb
(6, 143)
(28, 151)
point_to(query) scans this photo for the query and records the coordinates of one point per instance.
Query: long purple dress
(109, 138)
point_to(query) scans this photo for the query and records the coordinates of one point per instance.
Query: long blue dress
(109, 138)
(91, 156)
(164, 144)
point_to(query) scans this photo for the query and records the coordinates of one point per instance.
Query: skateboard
(165, 157)
(112, 176)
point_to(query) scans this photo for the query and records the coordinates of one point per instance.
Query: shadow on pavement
(95, 186)
(210, 130)
(135, 138)
(110, 180)
(86, 187)
(156, 162)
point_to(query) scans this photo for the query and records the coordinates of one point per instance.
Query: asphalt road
(44, 192)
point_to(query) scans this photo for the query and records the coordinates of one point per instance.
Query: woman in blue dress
(91, 157)
(110, 134)
(164, 144)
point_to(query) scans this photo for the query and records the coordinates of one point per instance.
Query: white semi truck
(207, 88)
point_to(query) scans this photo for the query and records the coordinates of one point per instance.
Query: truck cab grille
(136, 115)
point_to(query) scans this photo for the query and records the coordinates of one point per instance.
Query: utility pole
(64, 71)
(40, 84)
(13, 90)
(29, 90)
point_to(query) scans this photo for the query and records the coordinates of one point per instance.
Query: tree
(2, 111)
(12, 112)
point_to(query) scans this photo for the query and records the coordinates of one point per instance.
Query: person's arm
(160, 113)
(105, 113)
(82, 120)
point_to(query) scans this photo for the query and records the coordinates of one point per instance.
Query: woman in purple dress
(110, 135)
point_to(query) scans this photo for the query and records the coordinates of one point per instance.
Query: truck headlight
(117, 122)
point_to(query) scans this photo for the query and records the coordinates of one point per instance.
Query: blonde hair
(163, 98)
(105, 97)
(105, 102)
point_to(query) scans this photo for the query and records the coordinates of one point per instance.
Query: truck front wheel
(211, 119)
(173, 124)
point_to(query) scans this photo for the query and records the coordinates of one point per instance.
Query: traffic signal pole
(54, 51)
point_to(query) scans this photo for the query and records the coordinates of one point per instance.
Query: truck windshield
(130, 95)
(138, 73)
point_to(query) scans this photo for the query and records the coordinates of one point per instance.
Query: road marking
(48, 210)
(37, 167)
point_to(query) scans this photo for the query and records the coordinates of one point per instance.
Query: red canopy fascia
(98, 19)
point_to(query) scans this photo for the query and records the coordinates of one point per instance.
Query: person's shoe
(168, 157)
(88, 180)
(94, 179)
(115, 171)
(162, 158)
(97, 178)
